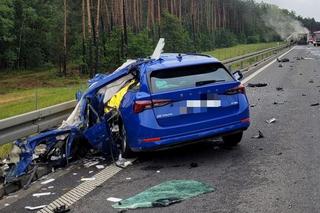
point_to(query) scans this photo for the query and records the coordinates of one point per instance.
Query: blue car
(146, 104)
(182, 98)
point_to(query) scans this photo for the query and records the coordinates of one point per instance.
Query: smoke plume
(282, 23)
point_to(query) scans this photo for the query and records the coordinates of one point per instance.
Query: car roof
(171, 60)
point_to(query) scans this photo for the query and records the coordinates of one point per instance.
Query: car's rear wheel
(232, 139)
(125, 149)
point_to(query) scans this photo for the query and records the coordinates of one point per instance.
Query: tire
(124, 146)
(232, 139)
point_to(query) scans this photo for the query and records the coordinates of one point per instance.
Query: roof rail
(198, 54)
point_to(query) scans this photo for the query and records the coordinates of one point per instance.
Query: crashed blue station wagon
(147, 104)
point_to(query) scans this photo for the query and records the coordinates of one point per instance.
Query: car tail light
(246, 120)
(139, 106)
(237, 90)
(150, 140)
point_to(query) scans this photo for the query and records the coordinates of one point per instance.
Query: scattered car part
(315, 104)
(88, 179)
(33, 208)
(114, 199)
(260, 135)
(41, 194)
(272, 120)
(61, 209)
(283, 60)
(193, 165)
(47, 181)
(257, 85)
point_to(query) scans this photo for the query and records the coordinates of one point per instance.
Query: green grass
(22, 92)
(242, 49)
(5, 150)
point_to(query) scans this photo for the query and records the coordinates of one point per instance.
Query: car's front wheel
(232, 139)
(125, 149)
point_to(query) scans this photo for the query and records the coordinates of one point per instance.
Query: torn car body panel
(88, 121)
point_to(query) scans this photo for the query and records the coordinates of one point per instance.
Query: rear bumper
(177, 140)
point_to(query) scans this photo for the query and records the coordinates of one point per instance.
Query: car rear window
(188, 77)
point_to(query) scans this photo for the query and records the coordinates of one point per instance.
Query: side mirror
(238, 75)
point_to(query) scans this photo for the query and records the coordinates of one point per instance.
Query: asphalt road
(279, 173)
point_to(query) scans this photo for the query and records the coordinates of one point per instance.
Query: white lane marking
(263, 68)
(83, 189)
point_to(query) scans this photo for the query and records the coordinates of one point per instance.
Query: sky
(305, 8)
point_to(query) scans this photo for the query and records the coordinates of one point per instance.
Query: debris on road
(114, 199)
(272, 120)
(61, 209)
(91, 163)
(315, 104)
(165, 194)
(122, 162)
(283, 60)
(260, 135)
(278, 103)
(257, 85)
(88, 179)
(33, 208)
(11, 196)
(166, 202)
(41, 194)
(100, 166)
(47, 181)
(193, 165)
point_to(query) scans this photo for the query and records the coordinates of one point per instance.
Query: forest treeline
(96, 35)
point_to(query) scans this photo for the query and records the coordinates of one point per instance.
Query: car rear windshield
(188, 77)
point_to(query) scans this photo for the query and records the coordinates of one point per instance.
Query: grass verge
(238, 50)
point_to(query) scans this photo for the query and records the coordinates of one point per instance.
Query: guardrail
(33, 122)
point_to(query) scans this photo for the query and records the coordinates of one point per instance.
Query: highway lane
(279, 173)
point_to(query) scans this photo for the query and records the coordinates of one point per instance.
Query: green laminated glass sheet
(164, 194)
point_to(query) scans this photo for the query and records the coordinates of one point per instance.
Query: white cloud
(305, 8)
